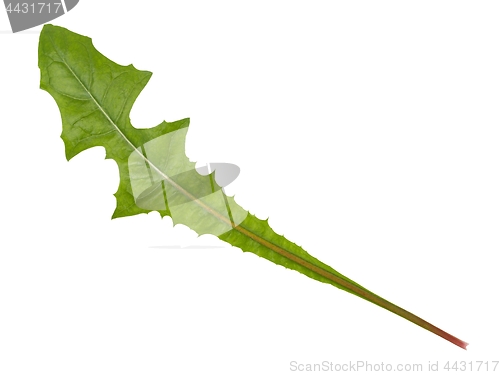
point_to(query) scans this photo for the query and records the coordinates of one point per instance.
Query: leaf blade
(95, 96)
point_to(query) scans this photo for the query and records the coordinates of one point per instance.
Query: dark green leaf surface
(95, 96)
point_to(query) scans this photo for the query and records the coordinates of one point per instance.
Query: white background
(367, 131)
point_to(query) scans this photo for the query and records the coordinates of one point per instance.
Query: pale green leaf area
(95, 97)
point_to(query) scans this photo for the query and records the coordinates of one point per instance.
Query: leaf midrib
(350, 286)
(271, 246)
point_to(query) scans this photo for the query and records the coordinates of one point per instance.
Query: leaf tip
(68, 152)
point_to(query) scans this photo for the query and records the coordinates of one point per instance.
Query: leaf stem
(355, 289)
